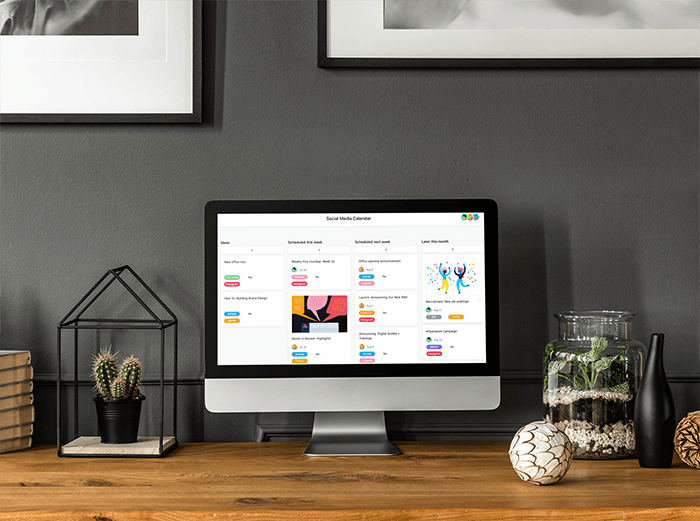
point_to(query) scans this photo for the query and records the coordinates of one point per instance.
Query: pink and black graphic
(320, 314)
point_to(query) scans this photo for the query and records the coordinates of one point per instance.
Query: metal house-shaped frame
(75, 320)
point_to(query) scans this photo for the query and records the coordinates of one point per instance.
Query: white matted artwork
(100, 61)
(478, 33)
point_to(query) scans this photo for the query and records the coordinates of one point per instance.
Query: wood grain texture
(446, 480)
(443, 514)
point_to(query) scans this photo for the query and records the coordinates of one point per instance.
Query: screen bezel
(343, 206)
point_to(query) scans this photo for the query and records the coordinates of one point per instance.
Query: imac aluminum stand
(350, 434)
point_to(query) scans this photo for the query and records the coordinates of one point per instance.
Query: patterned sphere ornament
(687, 439)
(541, 453)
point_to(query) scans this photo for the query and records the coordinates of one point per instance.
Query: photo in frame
(100, 61)
(508, 33)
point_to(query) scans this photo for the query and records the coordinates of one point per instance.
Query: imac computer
(349, 308)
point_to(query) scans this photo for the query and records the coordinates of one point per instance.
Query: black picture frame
(326, 61)
(185, 117)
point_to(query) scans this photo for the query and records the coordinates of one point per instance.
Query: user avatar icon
(464, 216)
(361, 269)
(294, 270)
(428, 339)
(470, 217)
(294, 346)
(361, 305)
(476, 217)
(428, 310)
(362, 346)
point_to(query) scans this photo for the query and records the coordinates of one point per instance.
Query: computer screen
(350, 289)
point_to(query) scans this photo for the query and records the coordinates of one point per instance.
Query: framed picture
(100, 61)
(508, 33)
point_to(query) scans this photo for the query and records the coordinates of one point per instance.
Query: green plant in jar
(591, 374)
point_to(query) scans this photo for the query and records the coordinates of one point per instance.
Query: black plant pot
(118, 420)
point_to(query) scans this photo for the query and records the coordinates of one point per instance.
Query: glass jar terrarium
(591, 376)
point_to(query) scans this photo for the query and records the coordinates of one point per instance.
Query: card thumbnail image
(320, 314)
(452, 277)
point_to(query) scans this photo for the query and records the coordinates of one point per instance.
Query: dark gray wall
(595, 171)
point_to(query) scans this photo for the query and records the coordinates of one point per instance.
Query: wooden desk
(261, 481)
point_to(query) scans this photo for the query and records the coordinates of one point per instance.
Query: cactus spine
(130, 373)
(104, 370)
(112, 383)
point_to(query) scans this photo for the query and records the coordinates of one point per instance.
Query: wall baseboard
(507, 377)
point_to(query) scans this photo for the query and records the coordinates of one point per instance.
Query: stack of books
(16, 401)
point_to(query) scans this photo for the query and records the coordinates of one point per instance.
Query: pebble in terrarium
(590, 383)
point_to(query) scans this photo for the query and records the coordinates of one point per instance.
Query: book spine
(10, 359)
(16, 374)
(16, 388)
(18, 416)
(17, 401)
(18, 431)
(16, 444)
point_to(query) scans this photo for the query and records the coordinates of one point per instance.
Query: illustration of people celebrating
(460, 272)
(444, 273)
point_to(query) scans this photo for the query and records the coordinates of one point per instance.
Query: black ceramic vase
(654, 413)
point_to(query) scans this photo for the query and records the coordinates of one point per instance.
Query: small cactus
(104, 370)
(130, 373)
(112, 383)
(119, 389)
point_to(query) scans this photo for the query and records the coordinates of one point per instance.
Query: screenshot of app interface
(351, 289)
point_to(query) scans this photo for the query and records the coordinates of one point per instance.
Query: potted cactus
(118, 401)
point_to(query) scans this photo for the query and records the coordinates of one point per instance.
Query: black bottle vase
(654, 413)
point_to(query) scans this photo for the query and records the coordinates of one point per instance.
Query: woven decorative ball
(687, 439)
(540, 453)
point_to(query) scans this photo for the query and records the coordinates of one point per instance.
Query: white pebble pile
(566, 395)
(617, 437)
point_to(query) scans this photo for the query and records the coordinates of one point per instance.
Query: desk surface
(430, 480)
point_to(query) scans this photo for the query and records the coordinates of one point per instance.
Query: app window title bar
(335, 220)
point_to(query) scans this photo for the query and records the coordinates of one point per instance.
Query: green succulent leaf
(598, 345)
(549, 349)
(556, 365)
(624, 387)
(603, 363)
